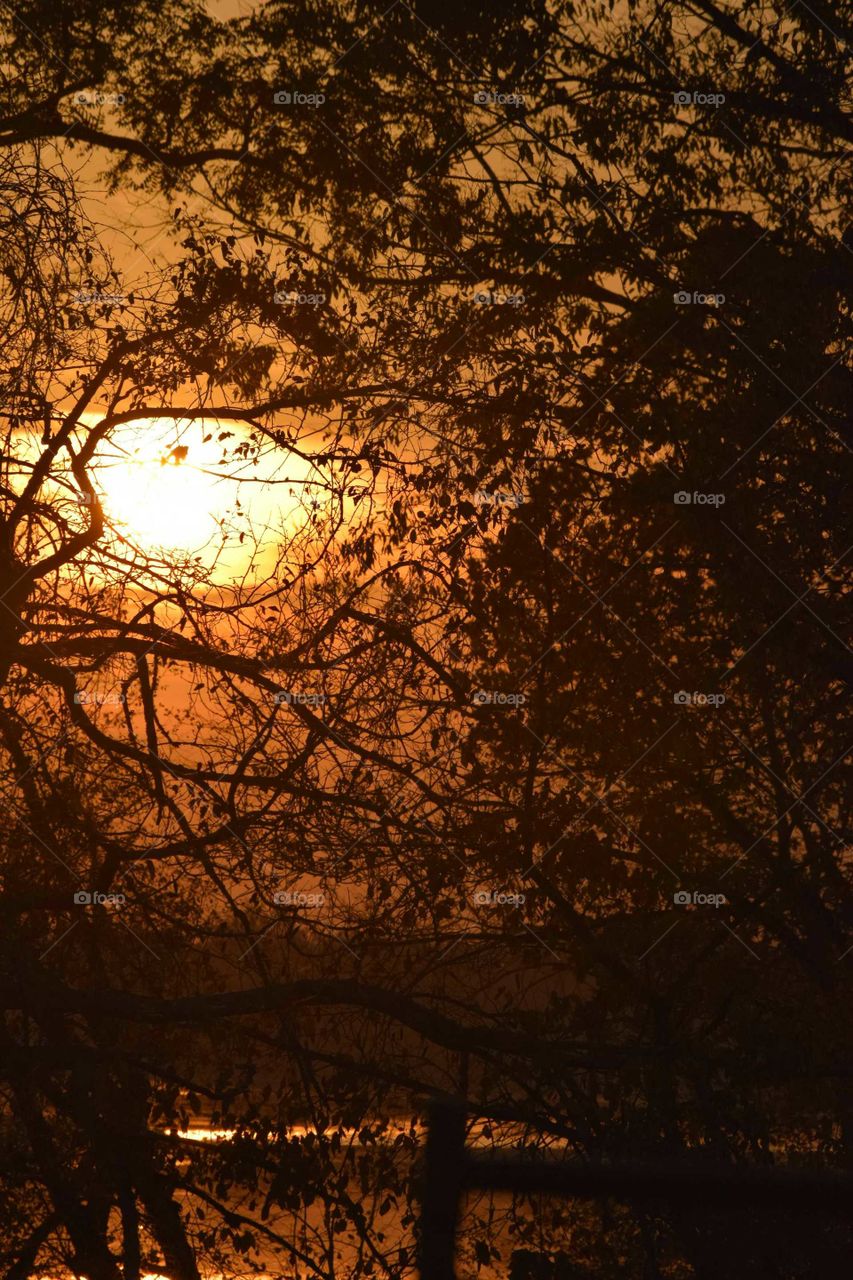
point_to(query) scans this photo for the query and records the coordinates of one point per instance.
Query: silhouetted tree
(559, 635)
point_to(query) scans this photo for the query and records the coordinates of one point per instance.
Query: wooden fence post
(441, 1191)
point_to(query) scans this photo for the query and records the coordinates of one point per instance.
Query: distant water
(482, 1135)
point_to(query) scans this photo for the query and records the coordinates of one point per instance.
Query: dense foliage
(401, 798)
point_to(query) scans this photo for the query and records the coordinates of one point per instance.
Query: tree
(500, 656)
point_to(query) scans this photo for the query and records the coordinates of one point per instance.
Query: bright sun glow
(168, 487)
(173, 503)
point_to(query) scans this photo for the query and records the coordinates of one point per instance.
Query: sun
(167, 487)
(164, 487)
